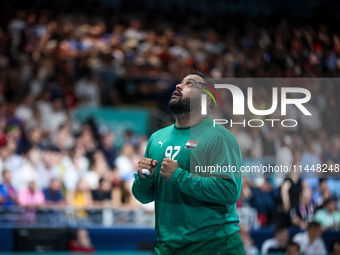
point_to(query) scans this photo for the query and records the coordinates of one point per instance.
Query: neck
(188, 119)
(279, 243)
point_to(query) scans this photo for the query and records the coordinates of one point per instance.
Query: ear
(208, 101)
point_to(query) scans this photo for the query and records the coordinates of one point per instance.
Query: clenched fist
(168, 167)
(146, 163)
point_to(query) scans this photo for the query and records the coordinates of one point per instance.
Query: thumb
(155, 162)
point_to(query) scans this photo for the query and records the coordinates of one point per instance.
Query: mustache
(179, 92)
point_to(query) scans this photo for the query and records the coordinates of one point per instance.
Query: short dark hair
(313, 224)
(208, 81)
(279, 229)
(291, 243)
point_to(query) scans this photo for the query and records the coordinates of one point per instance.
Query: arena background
(83, 84)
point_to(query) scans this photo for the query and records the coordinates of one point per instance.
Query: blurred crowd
(53, 61)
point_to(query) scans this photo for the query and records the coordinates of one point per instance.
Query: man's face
(55, 185)
(283, 237)
(7, 176)
(315, 233)
(187, 97)
(292, 250)
(336, 248)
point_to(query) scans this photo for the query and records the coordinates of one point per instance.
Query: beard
(184, 105)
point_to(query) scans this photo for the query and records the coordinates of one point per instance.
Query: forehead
(194, 77)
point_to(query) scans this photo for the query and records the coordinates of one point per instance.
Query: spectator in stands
(107, 147)
(333, 156)
(98, 169)
(284, 157)
(76, 166)
(34, 137)
(290, 191)
(25, 169)
(255, 179)
(248, 242)
(105, 195)
(47, 168)
(53, 195)
(24, 111)
(322, 194)
(82, 243)
(281, 237)
(310, 241)
(87, 90)
(31, 197)
(8, 195)
(124, 162)
(293, 249)
(304, 212)
(80, 198)
(309, 159)
(56, 117)
(328, 216)
(335, 248)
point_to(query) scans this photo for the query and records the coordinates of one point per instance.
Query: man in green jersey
(195, 212)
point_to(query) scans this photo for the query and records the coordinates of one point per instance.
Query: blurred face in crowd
(2, 124)
(336, 249)
(14, 133)
(323, 185)
(55, 185)
(57, 104)
(7, 176)
(127, 150)
(83, 239)
(254, 153)
(82, 186)
(187, 96)
(331, 206)
(306, 196)
(108, 140)
(312, 147)
(4, 152)
(35, 136)
(293, 249)
(314, 233)
(12, 147)
(336, 144)
(31, 186)
(282, 237)
(34, 155)
(105, 186)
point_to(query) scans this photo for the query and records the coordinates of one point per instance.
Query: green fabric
(327, 220)
(192, 211)
(228, 245)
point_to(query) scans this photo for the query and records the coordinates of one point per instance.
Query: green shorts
(229, 245)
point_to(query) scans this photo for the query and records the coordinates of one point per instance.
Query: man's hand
(168, 168)
(146, 163)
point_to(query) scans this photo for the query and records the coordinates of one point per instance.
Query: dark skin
(186, 89)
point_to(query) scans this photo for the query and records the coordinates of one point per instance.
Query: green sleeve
(143, 188)
(320, 218)
(223, 188)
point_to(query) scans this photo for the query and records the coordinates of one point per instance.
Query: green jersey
(190, 208)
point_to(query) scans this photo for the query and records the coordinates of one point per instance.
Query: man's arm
(222, 188)
(143, 187)
(207, 189)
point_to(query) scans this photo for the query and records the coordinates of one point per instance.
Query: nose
(179, 86)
